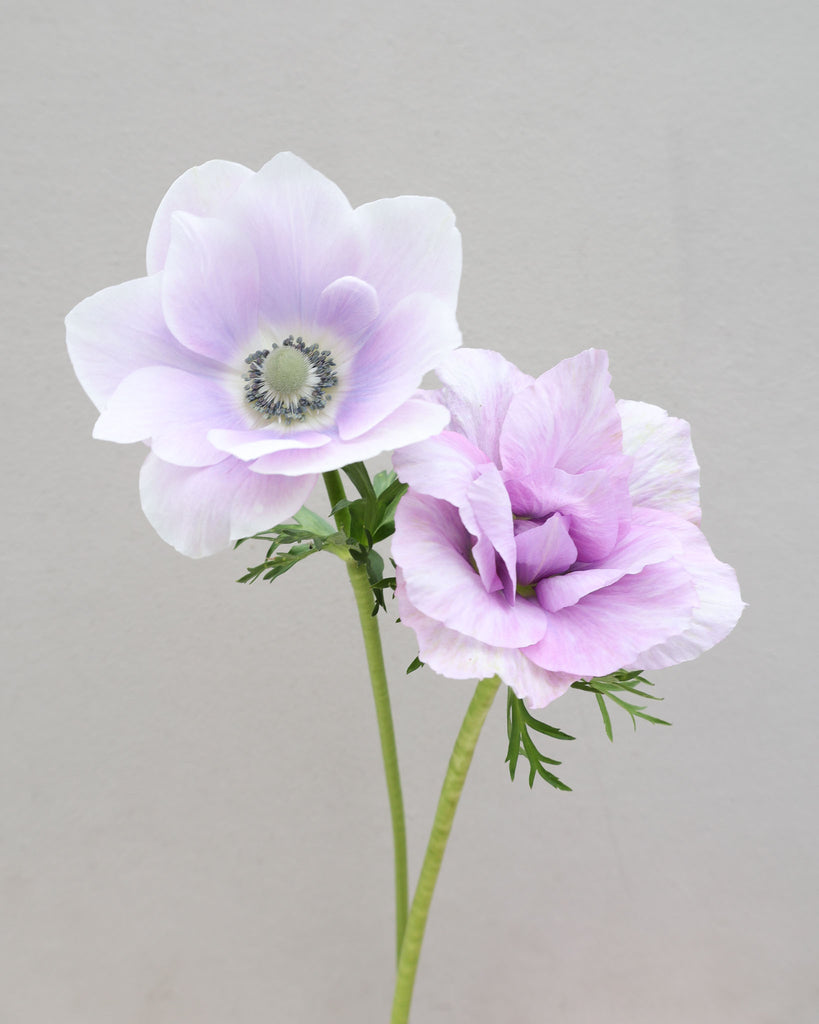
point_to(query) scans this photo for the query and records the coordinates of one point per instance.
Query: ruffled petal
(305, 236)
(210, 288)
(432, 547)
(665, 474)
(567, 419)
(202, 191)
(544, 549)
(122, 329)
(405, 345)
(717, 612)
(607, 629)
(415, 420)
(487, 514)
(596, 504)
(458, 656)
(443, 467)
(172, 409)
(412, 245)
(479, 386)
(651, 539)
(202, 510)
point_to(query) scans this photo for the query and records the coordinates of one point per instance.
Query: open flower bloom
(550, 534)
(279, 333)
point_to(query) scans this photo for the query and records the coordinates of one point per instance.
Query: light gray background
(194, 825)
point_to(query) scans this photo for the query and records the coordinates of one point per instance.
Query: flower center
(290, 380)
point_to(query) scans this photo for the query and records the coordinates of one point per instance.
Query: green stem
(335, 492)
(378, 677)
(447, 805)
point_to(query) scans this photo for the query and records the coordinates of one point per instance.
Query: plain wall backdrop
(193, 820)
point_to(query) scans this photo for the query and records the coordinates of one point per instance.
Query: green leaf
(314, 522)
(340, 505)
(513, 731)
(608, 687)
(386, 529)
(382, 480)
(546, 730)
(415, 664)
(519, 720)
(357, 472)
(375, 567)
(604, 711)
(309, 534)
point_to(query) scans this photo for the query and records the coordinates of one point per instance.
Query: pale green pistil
(286, 372)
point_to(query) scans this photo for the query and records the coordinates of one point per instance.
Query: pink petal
(648, 541)
(568, 419)
(203, 191)
(458, 656)
(479, 385)
(607, 629)
(305, 236)
(404, 346)
(173, 409)
(717, 612)
(411, 245)
(665, 474)
(202, 510)
(544, 550)
(119, 330)
(443, 467)
(596, 502)
(432, 547)
(487, 514)
(210, 288)
(415, 420)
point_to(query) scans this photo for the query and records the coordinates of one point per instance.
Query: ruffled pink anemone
(279, 333)
(550, 534)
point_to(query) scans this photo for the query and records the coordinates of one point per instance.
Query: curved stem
(447, 805)
(378, 678)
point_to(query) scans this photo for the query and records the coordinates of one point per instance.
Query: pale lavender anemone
(279, 333)
(550, 534)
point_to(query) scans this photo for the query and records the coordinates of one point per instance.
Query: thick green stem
(335, 492)
(447, 805)
(378, 677)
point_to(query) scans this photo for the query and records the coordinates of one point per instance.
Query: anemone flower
(279, 333)
(550, 534)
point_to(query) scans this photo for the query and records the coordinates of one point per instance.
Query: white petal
(122, 329)
(347, 307)
(202, 191)
(415, 420)
(409, 342)
(172, 409)
(412, 245)
(305, 236)
(210, 288)
(202, 510)
(665, 474)
(718, 611)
